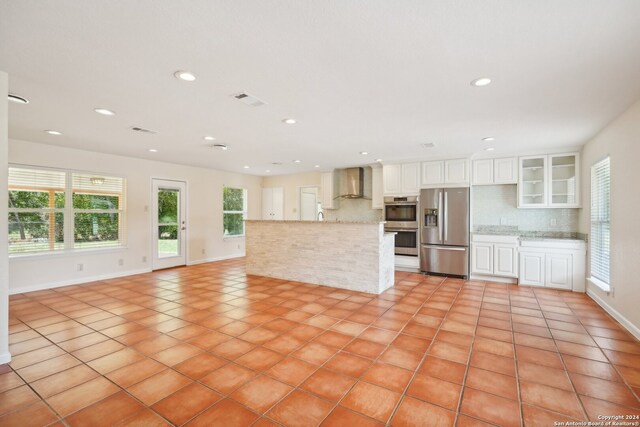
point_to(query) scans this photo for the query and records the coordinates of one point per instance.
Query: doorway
(309, 206)
(169, 224)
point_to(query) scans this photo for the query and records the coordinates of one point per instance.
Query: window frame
(69, 244)
(600, 222)
(244, 212)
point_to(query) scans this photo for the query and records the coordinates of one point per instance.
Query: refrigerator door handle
(445, 248)
(440, 216)
(446, 215)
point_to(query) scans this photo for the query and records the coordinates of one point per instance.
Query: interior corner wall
(291, 185)
(5, 357)
(205, 239)
(621, 141)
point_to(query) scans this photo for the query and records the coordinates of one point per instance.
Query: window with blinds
(53, 210)
(600, 222)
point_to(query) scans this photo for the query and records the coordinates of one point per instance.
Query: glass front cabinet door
(551, 181)
(563, 179)
(533, 182)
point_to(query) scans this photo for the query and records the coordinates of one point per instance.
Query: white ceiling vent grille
(428, 145)
(249, 100)
(142, 130)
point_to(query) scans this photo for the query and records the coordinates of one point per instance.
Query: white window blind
(600, 220)
(53, 210)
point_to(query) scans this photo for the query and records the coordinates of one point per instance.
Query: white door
(169, 223)
(559, 268)
(267, 203)
(482, 258)
(531, 269)
(273, 203)
(309, 203)
(505, 260)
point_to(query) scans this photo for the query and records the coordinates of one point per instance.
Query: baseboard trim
(5, 358)
(214, 259)
(71, 282)
(633, 329)
(499, 279)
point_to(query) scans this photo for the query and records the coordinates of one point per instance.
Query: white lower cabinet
(553, 263)
(531, 269)
(494, 255)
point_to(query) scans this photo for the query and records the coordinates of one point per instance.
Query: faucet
(320, 216)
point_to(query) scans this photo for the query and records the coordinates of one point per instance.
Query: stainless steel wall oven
(401, 216)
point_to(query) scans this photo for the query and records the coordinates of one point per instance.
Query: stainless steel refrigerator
(444, 231)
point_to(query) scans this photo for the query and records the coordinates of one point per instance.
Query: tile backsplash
(355, 209)
(493, 205)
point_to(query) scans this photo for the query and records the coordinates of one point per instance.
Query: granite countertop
(529, 235)
(289, 221)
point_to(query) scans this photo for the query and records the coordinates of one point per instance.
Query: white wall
(621, 141)
(291, 185)
(204, 212)
(5, 357)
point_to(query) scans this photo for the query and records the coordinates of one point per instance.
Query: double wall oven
(401, 216)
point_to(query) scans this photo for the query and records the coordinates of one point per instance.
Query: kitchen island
(357, 256)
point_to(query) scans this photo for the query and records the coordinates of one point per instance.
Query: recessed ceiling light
(482, 81)
(220, 146)
(267, 171)
(209, 138)
(245, 167)
(289, 121)
(277, 163)
(184, 75)
(104, 112)
(489, 149)
(297, 161)
(17, 99)
(364, 153)
(378, 160)
(53, 132)
(152, 150)
(488, 138)
(316, 166)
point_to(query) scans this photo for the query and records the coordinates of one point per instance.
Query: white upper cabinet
(447, 172)
(377, 197)
(392, 178)
(433, 173)
(401, 180)
(329, 188)
(505, 171)
(482, 172)
(495, 171)
(551, 181)
(456, 171)
(410, 178)
(532, 189)
(563, 180)
(273, 203)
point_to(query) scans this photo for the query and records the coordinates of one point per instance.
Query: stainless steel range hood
(354, 185)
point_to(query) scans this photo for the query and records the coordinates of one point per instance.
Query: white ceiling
(358, 75)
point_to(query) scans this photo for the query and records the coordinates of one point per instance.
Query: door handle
(445, 248)
(440, 224)
(183, 228)
(446, 213)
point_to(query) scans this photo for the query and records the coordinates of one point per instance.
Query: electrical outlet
(146, 208)
(613, 292)
(80, 267)
(203, 251)
(503, 220)
(120, 261)
(553, 222)
(144, 259)
(238, 245)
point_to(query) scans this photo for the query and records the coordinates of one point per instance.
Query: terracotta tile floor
(207, 345)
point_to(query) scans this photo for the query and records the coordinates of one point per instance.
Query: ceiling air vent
(249, 100)
(428, 145)
(143, 130)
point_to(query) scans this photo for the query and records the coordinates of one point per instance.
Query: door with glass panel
(169, 224)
